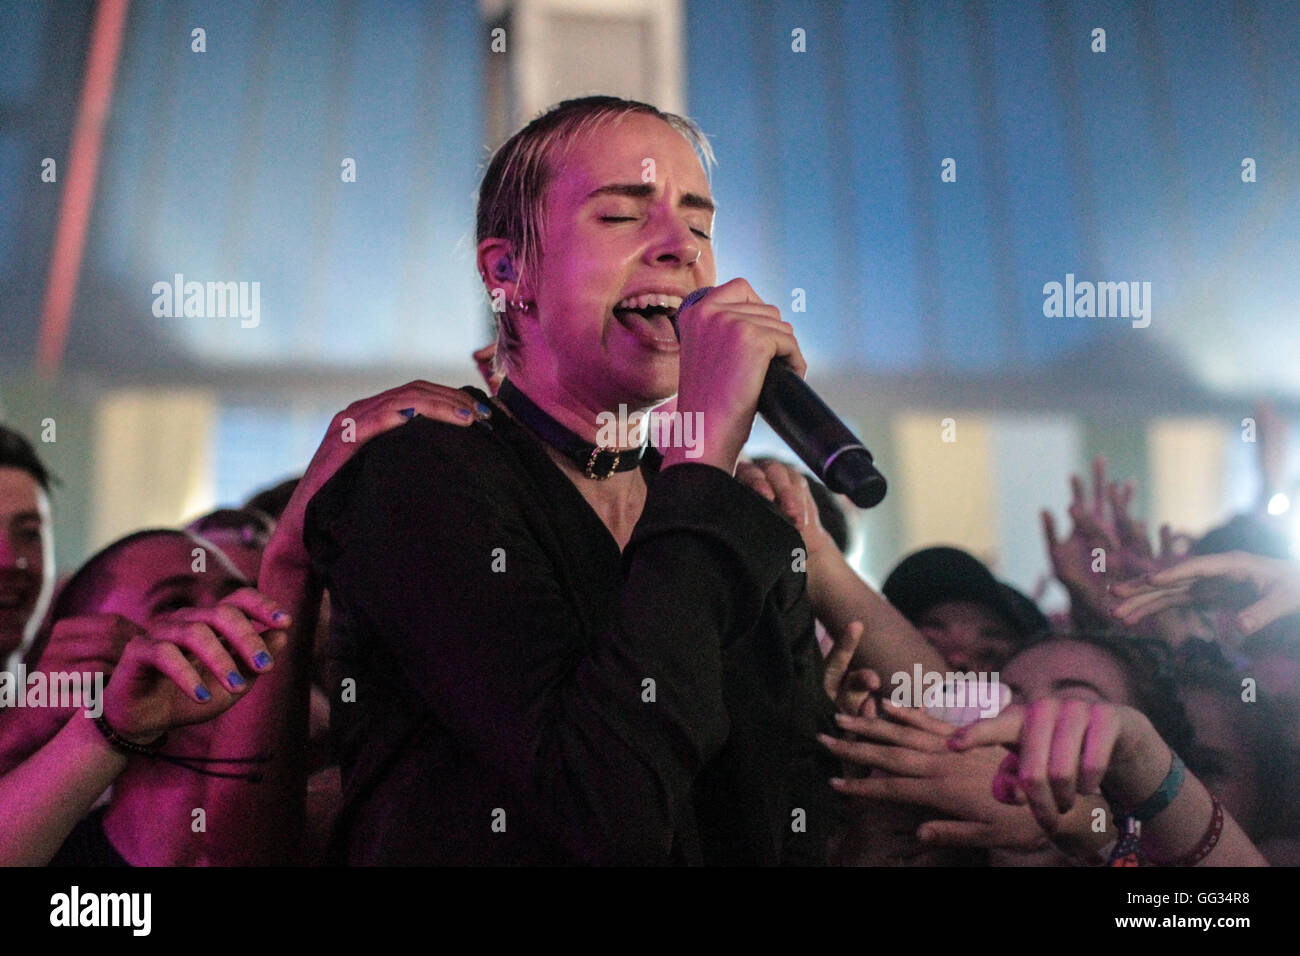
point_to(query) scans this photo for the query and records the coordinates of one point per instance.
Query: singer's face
(628, 211)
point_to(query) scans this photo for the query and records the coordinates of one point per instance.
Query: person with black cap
(974, 620)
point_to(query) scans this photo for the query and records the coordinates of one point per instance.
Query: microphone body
(813, 431)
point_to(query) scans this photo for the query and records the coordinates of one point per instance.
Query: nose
(676, 244)
(8, 552)
(958, 659)
(957, 648)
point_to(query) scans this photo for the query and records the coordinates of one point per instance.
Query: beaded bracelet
(1208, 842)
(128, 747)
(193, 764)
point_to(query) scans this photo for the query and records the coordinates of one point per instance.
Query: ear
(498, 269)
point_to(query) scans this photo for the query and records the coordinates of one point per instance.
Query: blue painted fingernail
(234, 680)
(464, 413)
(280, 616)
(484, 409)
(203, 694)
(407, 413)
(261, 659)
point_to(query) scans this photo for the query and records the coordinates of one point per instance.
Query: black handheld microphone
(812, 430)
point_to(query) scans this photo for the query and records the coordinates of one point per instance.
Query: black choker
(596, 462)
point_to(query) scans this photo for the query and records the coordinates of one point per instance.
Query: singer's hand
(728, 339)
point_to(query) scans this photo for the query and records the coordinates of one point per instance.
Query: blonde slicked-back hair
(512, 196)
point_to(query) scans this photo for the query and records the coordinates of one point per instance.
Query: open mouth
(12, 600)
(649, 316)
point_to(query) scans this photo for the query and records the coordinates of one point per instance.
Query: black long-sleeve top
(510, 688)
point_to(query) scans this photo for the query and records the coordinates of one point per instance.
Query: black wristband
(128, 747)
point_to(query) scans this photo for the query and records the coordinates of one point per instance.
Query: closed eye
(699, 232)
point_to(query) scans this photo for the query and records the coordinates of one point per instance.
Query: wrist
(285, 553)
(1140, 764)
(127, 740)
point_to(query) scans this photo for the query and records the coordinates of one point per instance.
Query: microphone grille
(694, 297)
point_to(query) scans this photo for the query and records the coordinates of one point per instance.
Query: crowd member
(1063, 748)
(273, 500)
(240, 533)
(1236, 750)
(154, 691)
(183, 588)
(26, 545)
(975, 621)
(917, 769)
(518, 698)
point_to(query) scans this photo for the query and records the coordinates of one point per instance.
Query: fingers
(897, 760)
(1235, 565)
(841, 655)
(1091, 528)
(857, 697)
(888, 732)
(1166, 543)
(1104, 726)
(1035, 751)
(166, 658)
(233, 624)
(379, 413)
(1006, 786)
(1141, 606)
(88, 642)
(1076, 491)
(1277, 603)
(792, 492)
(1003, 729)
(895, 789)
(752, 475)
(917, 717)
(201, 641)
(1066, 747)
(958, 833)
(1098, 486)
(483, 361)
(1049, 531)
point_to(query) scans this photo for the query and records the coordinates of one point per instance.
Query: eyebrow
(1069, 683)
(25, 516)
(646, 190)
(176, 580)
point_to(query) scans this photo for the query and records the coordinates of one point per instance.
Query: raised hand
(906, 759)
(1061, 748)
(1101, 520)
(729, 337)
(192, 665)
(1256, 590)
(787, 488)
(351, 428)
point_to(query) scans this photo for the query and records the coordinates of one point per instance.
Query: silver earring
(22, 564)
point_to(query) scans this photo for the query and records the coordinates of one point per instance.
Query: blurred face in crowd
(607, 235)
(969, 636)
(1220, 754)
(26, 558)
(1064, 668)
(244, 554)
(161, 573)
(1070, 669)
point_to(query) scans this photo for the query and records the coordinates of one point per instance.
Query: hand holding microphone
(739, 357)
(728, 341)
